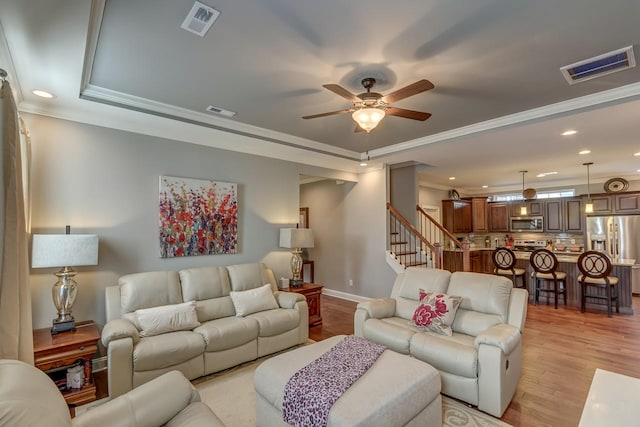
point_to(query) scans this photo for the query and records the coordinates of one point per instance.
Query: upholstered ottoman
(396, 391)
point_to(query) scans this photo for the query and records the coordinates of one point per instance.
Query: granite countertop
(573, 258)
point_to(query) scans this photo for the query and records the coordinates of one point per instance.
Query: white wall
(105, 182)
(349, 222)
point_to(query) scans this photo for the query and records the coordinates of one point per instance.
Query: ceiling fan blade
(408, 114)
(339, 90)
(407, 91)
(331, 113)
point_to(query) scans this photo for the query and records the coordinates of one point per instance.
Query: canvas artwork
(197, 217)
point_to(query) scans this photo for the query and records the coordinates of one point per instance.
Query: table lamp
(65, 251)
(296, 239)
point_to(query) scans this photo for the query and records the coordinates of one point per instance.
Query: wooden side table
(53, 354)
(312, 293)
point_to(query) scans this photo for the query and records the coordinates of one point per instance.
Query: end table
(53, 354)
(312, 293)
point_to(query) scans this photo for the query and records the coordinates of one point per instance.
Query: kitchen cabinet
(573, 218)
(456, 216)
(487, 261)
(498, 217)
(534, 208)
(553, 216)
(476, 260)
(479, 215)
(564, 215)
(627, 203)
(602, 204)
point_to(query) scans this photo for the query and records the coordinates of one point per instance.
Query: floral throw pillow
(435, 312)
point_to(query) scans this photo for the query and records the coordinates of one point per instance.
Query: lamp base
(60, 326)
(293, 283)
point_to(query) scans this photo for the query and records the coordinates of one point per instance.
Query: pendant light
(523, 208)
(588, 207)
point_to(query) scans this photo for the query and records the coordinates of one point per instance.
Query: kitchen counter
(569, 264)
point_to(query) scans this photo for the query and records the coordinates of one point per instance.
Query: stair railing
(409, 247)
(456, 254)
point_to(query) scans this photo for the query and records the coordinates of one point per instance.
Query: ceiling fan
(369, 108)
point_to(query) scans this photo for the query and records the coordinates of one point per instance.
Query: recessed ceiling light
(485, 186)
(363, 163)
(42, 93)
(585, 152)
(543, 174)
(636, 154)
(569, 132)
(451, 178)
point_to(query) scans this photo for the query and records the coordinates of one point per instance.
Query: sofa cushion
(435, 312)
(145, 290)
(456, 354)
(409, 282)
(485, 301)
(161, 351)
(167, 318)
(392, 332)
(249, 276)
(209, 287)
(227, 332)
(253, 300)
(276, 322)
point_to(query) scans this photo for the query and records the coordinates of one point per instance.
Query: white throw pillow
(167, 318)
(253, 300)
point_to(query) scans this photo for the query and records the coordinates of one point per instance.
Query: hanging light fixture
(523, 208)
(368, 118)
(588, 207)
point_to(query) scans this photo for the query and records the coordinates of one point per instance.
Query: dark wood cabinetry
(456, 216)
(563, 215)
(498, 217)
(479, 215)
(602, 204)
(627, 203)
(573, 215)
(553, 216)
(313, 293)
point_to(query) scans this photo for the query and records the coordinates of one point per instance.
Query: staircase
(424, 246)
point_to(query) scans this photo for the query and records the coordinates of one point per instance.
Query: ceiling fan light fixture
(368, 118)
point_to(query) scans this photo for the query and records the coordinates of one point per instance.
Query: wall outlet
(350, 282)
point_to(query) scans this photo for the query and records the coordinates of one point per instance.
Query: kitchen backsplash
(478, 240)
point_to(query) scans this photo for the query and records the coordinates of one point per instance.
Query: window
(540, 195)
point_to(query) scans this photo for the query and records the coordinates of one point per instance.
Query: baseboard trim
(344, 295)
(99, 364)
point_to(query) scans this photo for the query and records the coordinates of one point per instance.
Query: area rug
(231, 395)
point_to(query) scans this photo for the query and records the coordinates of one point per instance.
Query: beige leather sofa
(29, 398)
(481, 362)
(220, 339)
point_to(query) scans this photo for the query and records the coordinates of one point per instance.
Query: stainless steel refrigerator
(619, 236)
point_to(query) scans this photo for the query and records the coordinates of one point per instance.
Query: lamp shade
(296, 238)
(368, 118)
(64, 250)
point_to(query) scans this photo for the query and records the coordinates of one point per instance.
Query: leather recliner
(28, 397)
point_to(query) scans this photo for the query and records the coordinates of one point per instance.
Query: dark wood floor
(561, 350)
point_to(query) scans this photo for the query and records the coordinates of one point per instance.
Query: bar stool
(545, 264)
(595, 268)
(504, 261)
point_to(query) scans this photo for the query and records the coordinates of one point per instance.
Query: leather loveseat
(29, 398)
(480, 363)
(241, 315)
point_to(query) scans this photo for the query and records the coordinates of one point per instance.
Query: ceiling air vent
(221, 111)
(200, 19)
(600, 65)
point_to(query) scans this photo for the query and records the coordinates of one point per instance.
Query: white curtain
(16, 336)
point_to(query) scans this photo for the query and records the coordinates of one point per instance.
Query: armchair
(28, 397)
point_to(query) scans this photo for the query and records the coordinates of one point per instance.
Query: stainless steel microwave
(527, 224)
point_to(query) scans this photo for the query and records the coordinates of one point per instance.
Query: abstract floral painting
(197, 217)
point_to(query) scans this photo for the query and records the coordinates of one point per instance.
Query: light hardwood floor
(561, 350)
